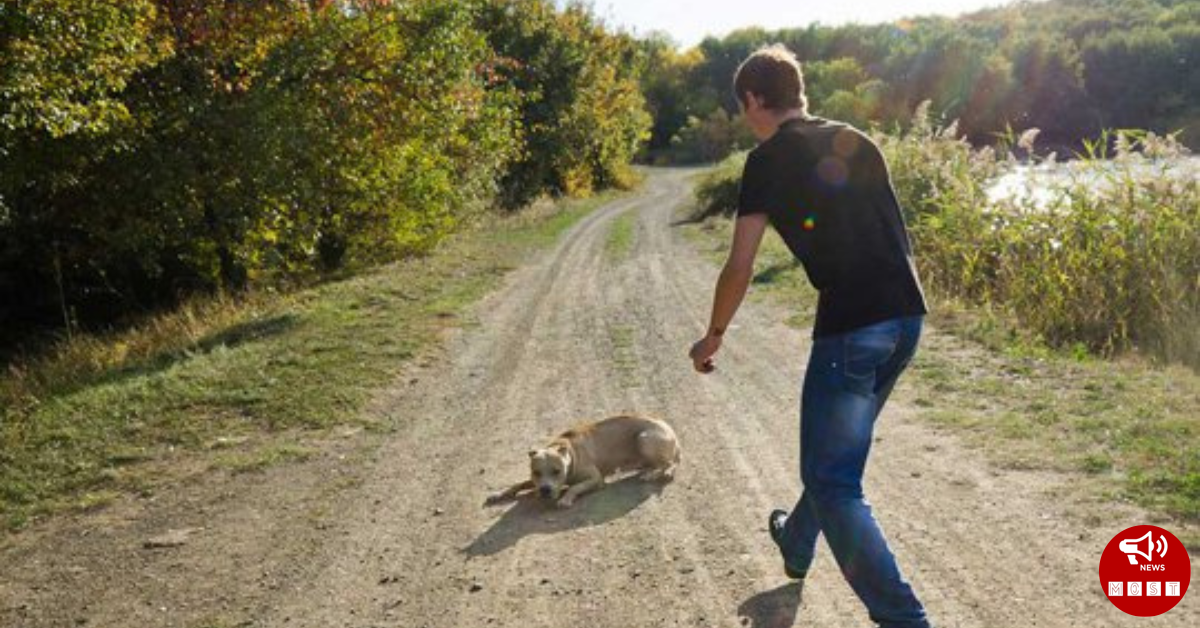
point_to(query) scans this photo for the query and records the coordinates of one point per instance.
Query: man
(825, 187)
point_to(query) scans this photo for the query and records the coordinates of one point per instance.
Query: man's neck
(788, 115)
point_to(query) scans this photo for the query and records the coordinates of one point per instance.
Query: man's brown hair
(773, 74)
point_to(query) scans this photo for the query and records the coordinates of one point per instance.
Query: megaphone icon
(1129, 546)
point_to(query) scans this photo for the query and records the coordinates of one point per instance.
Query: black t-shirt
(827, 191)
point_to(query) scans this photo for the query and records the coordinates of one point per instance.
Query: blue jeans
(848, 380)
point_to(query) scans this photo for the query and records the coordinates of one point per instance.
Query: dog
(578, 460)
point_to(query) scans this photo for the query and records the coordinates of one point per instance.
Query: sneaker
(775, 523)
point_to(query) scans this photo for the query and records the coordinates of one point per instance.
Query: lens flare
(832, 171)
(845, 144)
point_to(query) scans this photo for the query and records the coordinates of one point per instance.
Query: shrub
(717, 192)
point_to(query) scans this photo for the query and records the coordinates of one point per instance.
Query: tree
(674, 93)
(582, 110)
(1134, 74)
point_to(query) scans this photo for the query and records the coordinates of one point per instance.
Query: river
(1040, 183)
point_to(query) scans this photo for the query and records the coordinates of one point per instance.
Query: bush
(710, 139)
(718, 190)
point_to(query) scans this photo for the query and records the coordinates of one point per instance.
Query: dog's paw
(658, 475)
(566, 501)
(494, 499)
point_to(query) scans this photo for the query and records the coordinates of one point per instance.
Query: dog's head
(549, 469)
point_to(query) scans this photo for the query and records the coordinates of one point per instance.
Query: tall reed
(1107, 256)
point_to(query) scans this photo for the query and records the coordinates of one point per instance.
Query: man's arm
(738, 271)
(731, 286)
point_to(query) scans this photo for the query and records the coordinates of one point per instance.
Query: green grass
(1127, 423)
(621, 236)
(618, 244)
(624, 357)
(263, 457)
(234, 384)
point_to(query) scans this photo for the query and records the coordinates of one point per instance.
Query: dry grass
(84, 357)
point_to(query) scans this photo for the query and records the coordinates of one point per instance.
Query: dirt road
(400, 537)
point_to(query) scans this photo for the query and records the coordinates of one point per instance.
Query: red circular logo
(1145, 571)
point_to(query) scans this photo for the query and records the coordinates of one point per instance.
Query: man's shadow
(531, 515)
(776, 608)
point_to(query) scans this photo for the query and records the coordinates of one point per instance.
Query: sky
(688, 21)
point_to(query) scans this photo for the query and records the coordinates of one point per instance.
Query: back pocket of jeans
(869, 348)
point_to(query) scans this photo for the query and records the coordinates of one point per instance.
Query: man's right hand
(702, 353)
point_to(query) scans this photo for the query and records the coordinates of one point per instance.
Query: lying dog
(578, 460)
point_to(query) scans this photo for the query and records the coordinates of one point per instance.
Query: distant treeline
(153, 149)
(1071, 68)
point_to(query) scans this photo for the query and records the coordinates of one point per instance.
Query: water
(1039, 184)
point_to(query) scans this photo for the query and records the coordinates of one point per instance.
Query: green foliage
(155, 149)
(942, 186)
(1051, 95)
(65, 62)
(673, 94)
(411, 138)
(709, 139)
(583, 113)
(717, 192)
(845, 90)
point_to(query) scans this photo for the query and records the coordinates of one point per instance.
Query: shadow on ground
(772, 272)
(776, 608)
(241, 333)
(532, 516)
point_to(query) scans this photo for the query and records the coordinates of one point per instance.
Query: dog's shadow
(776, 608)
(531, 516)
